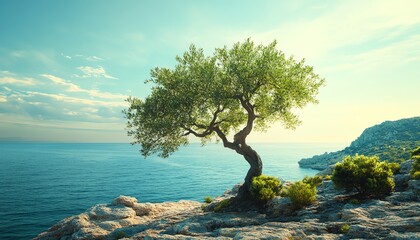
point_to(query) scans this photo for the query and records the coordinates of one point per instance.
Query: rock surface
(395, 217)
(388, 140)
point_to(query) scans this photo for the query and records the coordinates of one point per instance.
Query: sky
(66, 67)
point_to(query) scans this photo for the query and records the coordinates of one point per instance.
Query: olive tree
(230, 93)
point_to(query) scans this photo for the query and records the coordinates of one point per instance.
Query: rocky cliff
(395, 217)
(390, 140)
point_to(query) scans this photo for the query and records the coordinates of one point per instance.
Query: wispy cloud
(347, 24)
(69, 99)
(17, 82)
(87, 58)
(56, 99)
(66, 56)
(398, 53)
(94, 72)
(71, 87)
(94, 58)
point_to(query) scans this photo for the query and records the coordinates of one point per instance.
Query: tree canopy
(232, 91)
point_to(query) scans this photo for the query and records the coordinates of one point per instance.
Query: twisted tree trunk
(255, 170)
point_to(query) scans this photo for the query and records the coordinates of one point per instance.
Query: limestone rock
(405, 167)
(395, 217)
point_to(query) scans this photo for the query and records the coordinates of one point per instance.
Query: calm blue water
(42, 183)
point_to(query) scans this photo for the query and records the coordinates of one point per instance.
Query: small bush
(203, 206)
(327, 177)
(367, 175)
(416, 175)
(314, 181)
(222, 205)
(415, 171)
(415, 152)
(264, 188)
(395, 167)
(208, 199)
(354, 201)
(345, 228)
(301, 194)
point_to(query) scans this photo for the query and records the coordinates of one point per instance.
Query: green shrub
(415, 155)
(314, 181)
(301, 194)
(354, 201)
(345, 228)
(367, 175)
(208, 199)
(327, 177)
(416, 175)
(264, 188)
(222, 204)
(395, 167)
(203, 206)
(415, 152)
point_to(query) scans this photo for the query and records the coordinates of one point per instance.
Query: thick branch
(241, 135)
(226, 142)
(190, 131)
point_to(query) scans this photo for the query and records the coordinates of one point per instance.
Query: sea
(42, 183)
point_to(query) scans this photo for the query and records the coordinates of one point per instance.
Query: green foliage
(416, 165)
(344, 228)
(203, 206)
(395, 167)
(354, 201)
(327, 177)
(223, 204)
(415, 171)
(215, 95)
(264, 188)
(314, 181)
(208, 199)
(367, 175)
(415, 152)
(391, 141)
(390, 151)
(301, 194)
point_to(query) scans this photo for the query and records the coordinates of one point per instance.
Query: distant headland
(390, 141)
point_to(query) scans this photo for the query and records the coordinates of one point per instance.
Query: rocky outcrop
(390, 140)
(395, 217)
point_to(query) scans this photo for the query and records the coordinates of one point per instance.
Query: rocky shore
(336, 215)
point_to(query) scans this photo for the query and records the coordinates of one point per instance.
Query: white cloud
(66, 56)
(18, 82)
(71, 87)
(2, 98)
(94, 72)
(68, 99)
(94, 58)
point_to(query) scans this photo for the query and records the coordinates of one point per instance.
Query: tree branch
(241, 135)
(207, 129)
(226, 142)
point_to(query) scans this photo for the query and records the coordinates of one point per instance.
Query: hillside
(391, 141)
